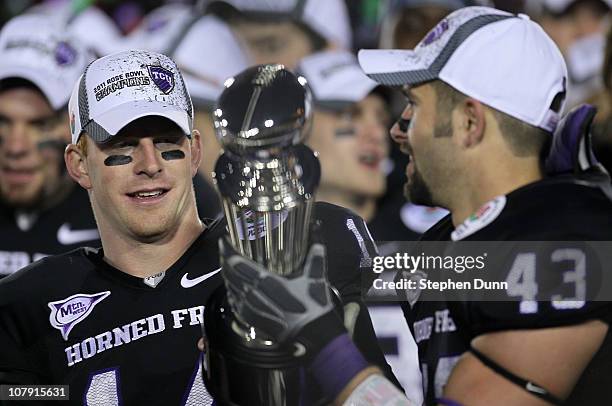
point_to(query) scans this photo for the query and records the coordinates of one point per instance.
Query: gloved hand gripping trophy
(256, 352)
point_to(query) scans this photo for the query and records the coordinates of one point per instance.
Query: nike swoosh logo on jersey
(534, 388)
(190, 283)
(67, 236)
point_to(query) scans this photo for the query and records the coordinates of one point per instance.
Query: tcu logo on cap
(162, 77)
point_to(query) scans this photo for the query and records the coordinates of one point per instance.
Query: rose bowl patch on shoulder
(482, 218)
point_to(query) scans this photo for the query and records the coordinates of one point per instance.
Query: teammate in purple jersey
(486, 89)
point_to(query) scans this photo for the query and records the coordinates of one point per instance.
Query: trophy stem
(230, 212)
(270, 243)
(260, 246)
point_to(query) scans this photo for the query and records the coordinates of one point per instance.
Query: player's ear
(196, 152)
(76, 165)
(471, 122)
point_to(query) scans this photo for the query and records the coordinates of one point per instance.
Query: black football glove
(297, 308)
(571, 150)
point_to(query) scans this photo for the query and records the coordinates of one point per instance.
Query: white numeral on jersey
(524, 266)
(576, 276)
(102, 389)
(198, 395)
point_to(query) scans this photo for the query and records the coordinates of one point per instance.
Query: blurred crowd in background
(579, 27)
(366, 15)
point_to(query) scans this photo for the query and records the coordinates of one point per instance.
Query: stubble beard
(416, 190)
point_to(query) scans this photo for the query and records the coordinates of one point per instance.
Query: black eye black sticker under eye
(174, 154)
(403, 124)
(345, 132)
(115, 160)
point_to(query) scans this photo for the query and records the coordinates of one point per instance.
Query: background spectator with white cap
(163, 27)
(285, 31)
(208, 54)
(578, 27)
(41, 210)
(86, 22)
(349, 131)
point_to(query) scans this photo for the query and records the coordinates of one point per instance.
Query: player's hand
(298, 308)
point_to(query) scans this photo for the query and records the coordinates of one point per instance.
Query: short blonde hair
(82, 143)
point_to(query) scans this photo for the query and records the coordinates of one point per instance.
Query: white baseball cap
(208, 54)
(504, 60)
(91, 26)
(97, 30)
(160, 29)
(328, 18)
(120, 88)
(36, 48)
(335, 79)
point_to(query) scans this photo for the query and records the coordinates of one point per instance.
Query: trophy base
(243, 368)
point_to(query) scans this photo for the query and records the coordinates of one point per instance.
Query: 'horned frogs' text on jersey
(548, 210)
(117, 339)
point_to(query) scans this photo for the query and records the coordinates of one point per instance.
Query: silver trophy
(266, 176)
(267, 179)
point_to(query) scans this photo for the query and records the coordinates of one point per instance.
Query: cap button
(523, 16)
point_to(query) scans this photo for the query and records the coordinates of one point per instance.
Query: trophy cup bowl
(268, 203)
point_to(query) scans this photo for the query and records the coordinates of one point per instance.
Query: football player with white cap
(42, 212)
(106, 329)
(485, 92)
